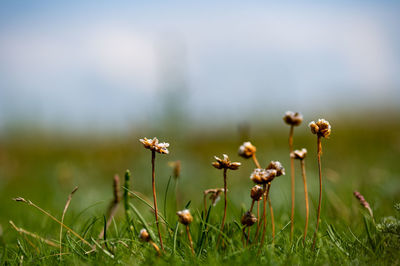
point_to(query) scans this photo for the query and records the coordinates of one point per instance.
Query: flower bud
(248, 219)
(247, 150)
(184, 217)
(292, 118)
(256, 192)
(144, 235)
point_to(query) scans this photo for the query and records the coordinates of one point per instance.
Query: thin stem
(63, 215)
(255, 160)
(153, 182)
(292, 181)
(258, 222)
(56, 220)
(155, 247)
(190, 239)
(224, 217)
(303, 170)
(319, 151)
(248, 230)
(272, 218)
(205, 206)
(266, 192)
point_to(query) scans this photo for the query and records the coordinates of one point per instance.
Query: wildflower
(248, 219)
(275, 165)
(225, 163)
(263, 176)
(154, 145)
(363, 202)
(215, 194)
(144, 235)
(247, 150)
(322, 128)
(292, 118)
(299, 154)
(184, 217)
(256, 193)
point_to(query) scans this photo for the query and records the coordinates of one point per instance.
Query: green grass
(44, 169)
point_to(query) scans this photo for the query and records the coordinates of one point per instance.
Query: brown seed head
(154, 145)
(215, 194)
(292, 118)
(263, 176)
(225, 163)
(247, 150)
(184, 217)
(144, 235)
(322, 128)
(248, 219)
(256, 192)
(299, 154)
(275, 165)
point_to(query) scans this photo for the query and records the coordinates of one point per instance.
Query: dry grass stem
(153, 183)
(63, 215)
(25, 232)
(30, 203)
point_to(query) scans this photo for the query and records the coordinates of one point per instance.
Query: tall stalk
(266, 194)
(292, 182)
(303, 170)
(225, 206)
(153, 182)
(319, 151)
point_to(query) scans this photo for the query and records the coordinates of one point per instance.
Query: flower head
(292, 118)
(248, 219)
(275, 165)
(247, 150)
(144, 235)
(322, 128)
(299, 154)
(215, 194)
(184, 217)
(154, 145)
(256, 192)
(263, 176)
(225, 163)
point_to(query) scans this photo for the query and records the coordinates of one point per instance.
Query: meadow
(360, 155)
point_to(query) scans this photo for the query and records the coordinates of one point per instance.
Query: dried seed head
(299, 154)
(256, 192)
(275, 165)
(154, 145)
(144, 235)
(225, 163)
(322, 128)
(20, 199)
(292, 118)
(248, 219)
(184, 217)
(247, 150)
(215, 194)
(263, 176)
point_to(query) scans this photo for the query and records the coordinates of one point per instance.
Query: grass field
(44, 168)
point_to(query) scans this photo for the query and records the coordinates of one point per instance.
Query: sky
(109, 64)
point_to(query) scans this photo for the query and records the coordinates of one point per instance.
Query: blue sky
(112, 63)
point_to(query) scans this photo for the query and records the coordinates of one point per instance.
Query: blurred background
(82, 81)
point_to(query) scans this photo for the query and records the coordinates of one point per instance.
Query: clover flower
(225, 163)
(322, 128)
(154, 145)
